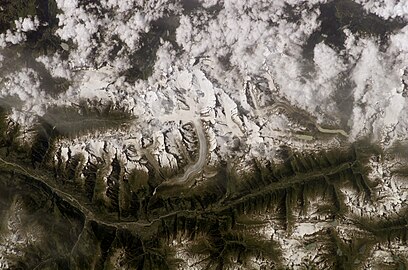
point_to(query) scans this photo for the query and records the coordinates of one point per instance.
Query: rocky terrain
(203, 134)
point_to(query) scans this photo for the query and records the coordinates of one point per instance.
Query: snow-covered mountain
(204, 134)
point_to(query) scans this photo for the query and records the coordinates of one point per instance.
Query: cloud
(328, 62)
(27, 24)
(17, 35)
(236, 43)
(388, 9)
(379, 109)
(95, 34)
(56, 65)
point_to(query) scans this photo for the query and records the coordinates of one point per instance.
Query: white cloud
(208, 3)
(25, 85)
(11, 37)
(243, 41)
(121, 5)
(328, 62)
(129, 31)
(27, 24)
(378, 107)
(77, 25)
(388, 9)
(56, 66)
(97, 34)
(165, 58)
(251, 39)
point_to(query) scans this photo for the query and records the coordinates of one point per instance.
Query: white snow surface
(225, 68)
